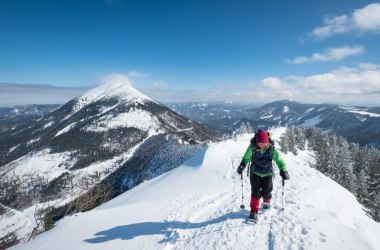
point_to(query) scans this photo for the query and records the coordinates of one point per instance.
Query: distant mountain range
(356, 124)
(10, 118)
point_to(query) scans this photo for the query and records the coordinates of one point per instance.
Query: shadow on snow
(166, 228)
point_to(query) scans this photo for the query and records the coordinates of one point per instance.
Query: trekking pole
(242, 192)
(283, 191)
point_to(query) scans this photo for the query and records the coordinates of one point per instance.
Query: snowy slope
(196, 206)
(112, 135)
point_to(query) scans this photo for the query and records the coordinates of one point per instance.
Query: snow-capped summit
(117, 87)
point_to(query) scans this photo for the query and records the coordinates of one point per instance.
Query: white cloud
(367, 18)
(361, 20)
(369, 66)
(272, 83)
(332, 54)
(115, 78)
(358, 85)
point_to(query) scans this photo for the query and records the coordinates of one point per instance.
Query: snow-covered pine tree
(300, 138)
(374, 183)
(354, 167)
(360, 171)
(344, 165)
(284, 143)
(322, 151)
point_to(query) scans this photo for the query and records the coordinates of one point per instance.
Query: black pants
(261, 186)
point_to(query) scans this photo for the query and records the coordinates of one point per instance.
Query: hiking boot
(266, 205)
(253, 217)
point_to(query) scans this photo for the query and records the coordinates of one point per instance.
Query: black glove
(284, 175)
(240, 169)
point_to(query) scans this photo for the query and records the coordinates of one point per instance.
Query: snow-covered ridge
(197, 206)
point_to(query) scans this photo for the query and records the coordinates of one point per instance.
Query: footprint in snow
(304, 231)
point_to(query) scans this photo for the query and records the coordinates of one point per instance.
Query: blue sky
(256, 51)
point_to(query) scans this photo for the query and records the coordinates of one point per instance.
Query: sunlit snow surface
(197, 206)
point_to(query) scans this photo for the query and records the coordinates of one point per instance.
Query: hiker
(261, 152)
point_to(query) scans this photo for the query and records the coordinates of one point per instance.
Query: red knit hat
(262, 137)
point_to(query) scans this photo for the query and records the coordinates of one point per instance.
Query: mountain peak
(119, 89)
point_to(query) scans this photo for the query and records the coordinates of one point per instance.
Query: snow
(41, 163)
(48, 124)
(49, 166)
(364, 113)
(305, 113)
(186, 129)
(121, 90)
(197, 206)
(236, 122)
(14, 220)
(66, 129)
(266, 117)
(286, 109)
(106, 109)
(358, 111)
(32, 141)
(15, 111)
(13, 148)
(199, 105)
(313, 121)
(136, 118)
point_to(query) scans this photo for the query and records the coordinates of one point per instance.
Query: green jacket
(276, 157)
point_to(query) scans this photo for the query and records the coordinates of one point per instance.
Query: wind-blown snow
(196, 206)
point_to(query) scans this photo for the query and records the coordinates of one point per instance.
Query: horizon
(214, 51)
